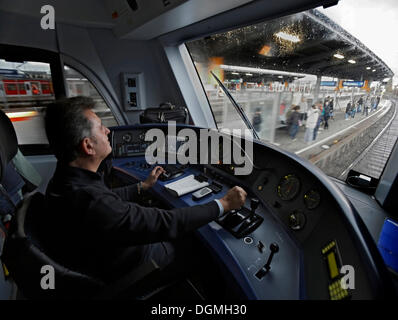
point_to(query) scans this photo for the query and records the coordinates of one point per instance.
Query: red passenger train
(20, 88)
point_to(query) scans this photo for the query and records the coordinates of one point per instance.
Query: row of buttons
(336, 291)
(327, 248)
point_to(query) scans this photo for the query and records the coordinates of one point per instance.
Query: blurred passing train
(20, 88)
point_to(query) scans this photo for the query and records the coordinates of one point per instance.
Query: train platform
(339, 127)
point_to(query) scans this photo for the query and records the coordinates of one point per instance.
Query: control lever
(267, 267)
(254, 205)
(251, 221)
(274, 249)
(233, 219)
(243, 221)
(247, 218)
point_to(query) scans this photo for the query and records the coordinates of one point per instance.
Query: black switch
(260, 246)
(133, 4)
(267, 267)
(274, 249)
(254, 204)
(261, 273)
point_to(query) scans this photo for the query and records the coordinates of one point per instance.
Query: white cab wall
(25, 32)
(137, 56)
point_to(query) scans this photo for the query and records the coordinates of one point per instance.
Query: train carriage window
(21, 88)
(279, 69)
(11, 87)
(45, 87)
(78, 85)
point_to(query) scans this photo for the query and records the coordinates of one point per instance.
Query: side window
(78, 85)
(25, 90)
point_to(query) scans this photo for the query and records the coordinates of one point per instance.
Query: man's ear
(87, 146)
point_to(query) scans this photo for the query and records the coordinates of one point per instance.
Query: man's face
(99, 135)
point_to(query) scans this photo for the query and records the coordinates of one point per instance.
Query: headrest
(8, 142)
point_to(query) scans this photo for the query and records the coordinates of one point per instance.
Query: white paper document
(185, 185)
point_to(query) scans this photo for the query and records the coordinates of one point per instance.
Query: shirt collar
(75, 174)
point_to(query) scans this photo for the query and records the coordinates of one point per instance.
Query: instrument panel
(295, 198)
(298, 211)
(128, 143)
(133, 142)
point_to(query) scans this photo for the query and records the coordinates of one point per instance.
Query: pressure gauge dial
(297, 220)
(288, 187)
(312, 199)
(127, 137)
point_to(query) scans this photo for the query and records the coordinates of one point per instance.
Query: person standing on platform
(331, 109)
(294, 122)
(365, 108)
(326, 113)
(353, 110)
(257, 120)
(318, 122)
(372, 104)
(348, 110)
(312, 119)
(377, 102)
(360, 104)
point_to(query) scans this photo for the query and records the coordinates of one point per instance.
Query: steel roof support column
(317, 88)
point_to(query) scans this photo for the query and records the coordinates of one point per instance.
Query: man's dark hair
(66, 126)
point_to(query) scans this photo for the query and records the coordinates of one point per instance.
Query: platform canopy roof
(304, 43)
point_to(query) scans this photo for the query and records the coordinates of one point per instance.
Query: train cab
(286, 100)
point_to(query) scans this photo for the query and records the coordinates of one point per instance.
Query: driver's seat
(27, 262)
(31, 268)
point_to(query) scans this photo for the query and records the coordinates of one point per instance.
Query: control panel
(133, 91)
(290, 228)
(128, 143)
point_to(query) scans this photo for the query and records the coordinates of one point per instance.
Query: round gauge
(312, 199)
(297, 220)
(288, 187)
(126, 137)
(142, 136)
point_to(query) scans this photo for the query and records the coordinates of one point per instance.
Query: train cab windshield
(278, 69)
(292, 102)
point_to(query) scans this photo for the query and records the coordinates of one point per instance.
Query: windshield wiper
(237, 107)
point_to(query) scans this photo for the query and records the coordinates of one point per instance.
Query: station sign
(328, 83)
(358, 84)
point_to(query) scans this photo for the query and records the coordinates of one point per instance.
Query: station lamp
(338, 56)
(287, 36)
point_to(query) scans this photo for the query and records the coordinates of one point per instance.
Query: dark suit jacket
(91, 228)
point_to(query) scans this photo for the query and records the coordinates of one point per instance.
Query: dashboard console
(297, 236)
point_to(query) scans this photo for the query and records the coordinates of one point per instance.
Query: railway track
(374, 158)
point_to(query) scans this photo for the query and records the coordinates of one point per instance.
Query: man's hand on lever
(152, 178)
(234, 199)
